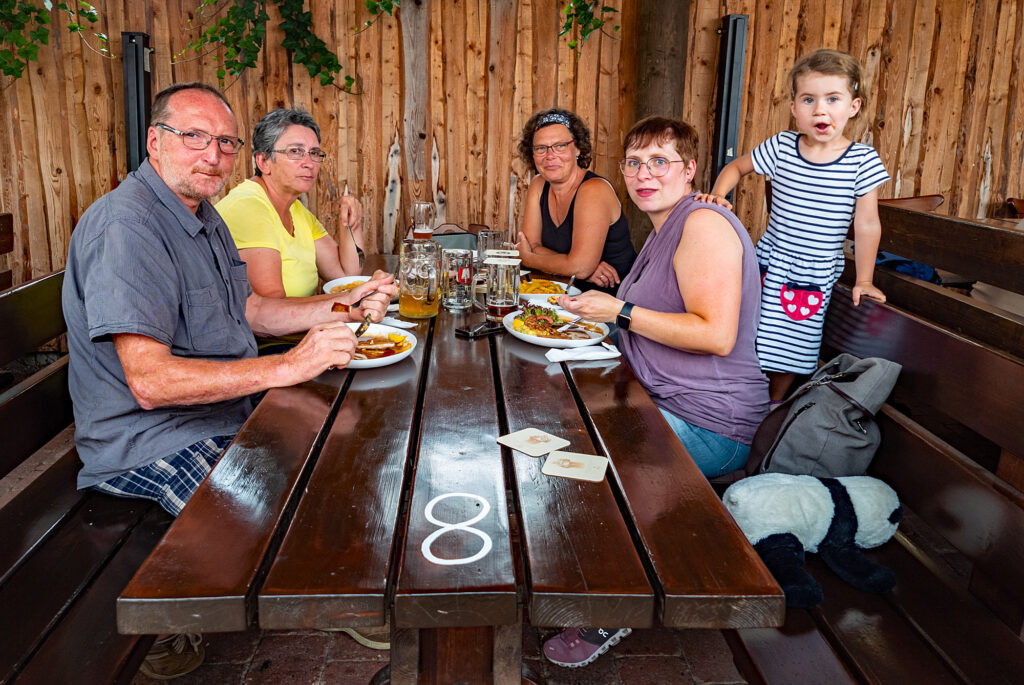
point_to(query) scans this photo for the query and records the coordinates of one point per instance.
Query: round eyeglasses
(658, 166)
(297, 154)
(194, 139)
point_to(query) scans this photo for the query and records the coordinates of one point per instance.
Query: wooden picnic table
(382, 493)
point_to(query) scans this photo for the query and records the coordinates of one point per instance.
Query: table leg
(449, 656)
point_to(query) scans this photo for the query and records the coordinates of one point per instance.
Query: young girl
(820, 181)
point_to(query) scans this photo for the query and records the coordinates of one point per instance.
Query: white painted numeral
(466, 526)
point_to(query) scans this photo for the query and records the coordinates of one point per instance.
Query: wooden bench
(951, 436)
(64, 554)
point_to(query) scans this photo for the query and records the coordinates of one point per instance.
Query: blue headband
(554, 118)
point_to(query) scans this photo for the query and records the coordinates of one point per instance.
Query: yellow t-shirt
(254, 222)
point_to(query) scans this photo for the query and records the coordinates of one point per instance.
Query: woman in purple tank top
(687, 313)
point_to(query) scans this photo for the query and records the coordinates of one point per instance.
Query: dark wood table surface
(341, 499)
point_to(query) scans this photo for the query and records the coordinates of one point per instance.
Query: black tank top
(618, 249)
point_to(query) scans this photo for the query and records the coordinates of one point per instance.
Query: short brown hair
(660, 130)
(578, 129)
(831, 63)
(161, 107)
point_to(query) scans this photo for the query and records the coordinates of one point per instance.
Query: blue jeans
(714, 454)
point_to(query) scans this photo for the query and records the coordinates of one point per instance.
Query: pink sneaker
(575, 647)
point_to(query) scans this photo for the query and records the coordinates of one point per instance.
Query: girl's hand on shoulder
(592, 305)
(713, 199)
(862, 290)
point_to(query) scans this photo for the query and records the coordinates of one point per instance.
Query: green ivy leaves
(24, 27)
(585, 18)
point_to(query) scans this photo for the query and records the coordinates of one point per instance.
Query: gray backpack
(826, 428)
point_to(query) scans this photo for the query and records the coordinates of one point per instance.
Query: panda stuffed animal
(784, 515)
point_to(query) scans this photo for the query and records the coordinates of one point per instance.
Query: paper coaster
(589, 467)
(533, 441)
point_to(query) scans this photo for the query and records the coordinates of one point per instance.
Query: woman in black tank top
(572, 220)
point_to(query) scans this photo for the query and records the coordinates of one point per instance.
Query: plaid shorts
(172, 480)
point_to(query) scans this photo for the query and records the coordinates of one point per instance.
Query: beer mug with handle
(419, 284)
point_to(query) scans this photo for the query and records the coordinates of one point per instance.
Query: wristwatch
(623, 319)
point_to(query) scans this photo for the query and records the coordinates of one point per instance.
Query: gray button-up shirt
(141, 262)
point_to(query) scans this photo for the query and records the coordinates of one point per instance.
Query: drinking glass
(487, 240)
(418, 288)
(457, 279)
(422, 220)
(502, 287)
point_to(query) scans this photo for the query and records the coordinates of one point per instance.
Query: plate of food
(540, 326)
(345, 284)
(381, 345)
(543, 291)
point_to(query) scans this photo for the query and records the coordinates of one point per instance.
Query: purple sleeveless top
(726, 395)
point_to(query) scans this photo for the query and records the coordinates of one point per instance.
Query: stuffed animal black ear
(784, 515)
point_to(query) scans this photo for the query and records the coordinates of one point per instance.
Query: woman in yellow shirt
(286, 248)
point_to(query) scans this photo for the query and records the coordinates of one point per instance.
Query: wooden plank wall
(476, 71)
(944, 107)
(943, 110)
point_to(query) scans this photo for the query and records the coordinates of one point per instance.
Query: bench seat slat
(35, 410)
(35, 597)
(86, 647)
(38, 510)
(984, 650)
(793, 653)
(460, 395)
(212, 572)
(332, 568)
(880, 640)
(727, 585)
(584, 568)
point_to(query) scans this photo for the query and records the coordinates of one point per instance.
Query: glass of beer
(422, 220)
(457, 279)
(502, 287)
(419, 279)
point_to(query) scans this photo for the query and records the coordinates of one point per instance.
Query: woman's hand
(373, 297)
(604, 275)
(523, 244)
(350, 213)
(592, 305)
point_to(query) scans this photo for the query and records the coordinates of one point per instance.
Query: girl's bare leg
(778, 384)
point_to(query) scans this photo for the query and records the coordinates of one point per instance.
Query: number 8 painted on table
(428, 513)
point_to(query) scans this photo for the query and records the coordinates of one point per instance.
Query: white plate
(344, 280)
(542, 298)
(554, 342)
(377, 329)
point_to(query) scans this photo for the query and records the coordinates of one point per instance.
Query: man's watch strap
(623, 319)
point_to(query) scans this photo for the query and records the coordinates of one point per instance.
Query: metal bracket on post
(731, 56)
(137, 90)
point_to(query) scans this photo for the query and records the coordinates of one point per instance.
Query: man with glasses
(285, 247)
(160, 317)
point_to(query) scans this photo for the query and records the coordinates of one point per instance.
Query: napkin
(591, 352)
(397, 323)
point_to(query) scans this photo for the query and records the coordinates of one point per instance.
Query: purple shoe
(575, 647)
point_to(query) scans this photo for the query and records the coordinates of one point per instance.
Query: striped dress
(801, 253)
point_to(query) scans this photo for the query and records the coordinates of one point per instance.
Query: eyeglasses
(194, 139)
(658, 166)
(541, 150)
(297, 154)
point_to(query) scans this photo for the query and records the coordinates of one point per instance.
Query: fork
(363, 327)
(569, 284)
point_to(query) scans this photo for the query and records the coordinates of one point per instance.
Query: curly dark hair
(580, 136)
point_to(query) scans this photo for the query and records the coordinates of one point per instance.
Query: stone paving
(647, 657)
